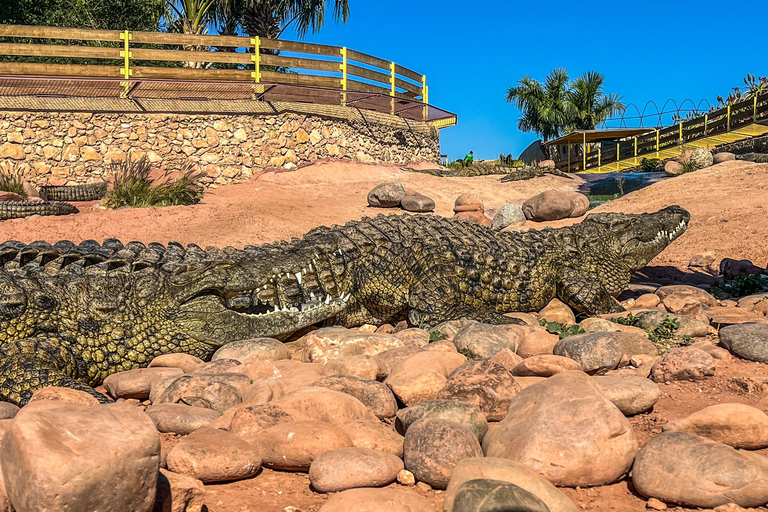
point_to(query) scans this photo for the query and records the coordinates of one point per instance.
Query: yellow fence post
(635, 149)
(392, 79)
(256, 73)
(126, 55)
(343, 67)
(569, 158)
(681, 132)
(706, 121)
(754, 110)
(618, 154)
(599, 158)
(657, 142)
(425, 97)
(728, 119)
(584, 152)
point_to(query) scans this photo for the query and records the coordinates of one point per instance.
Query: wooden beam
(368, 59)
(325, 82)
(189, 39)
(229, 75)
(35, 32)
(191, 56)
(368, 73)
(298, 47)
(400, 70)
(296, 62)
(58, 70)
(55, 50)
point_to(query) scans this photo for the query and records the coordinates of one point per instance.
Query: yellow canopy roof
(588, 136)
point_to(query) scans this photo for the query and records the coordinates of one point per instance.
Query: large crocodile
(509, 172)
(72, 314)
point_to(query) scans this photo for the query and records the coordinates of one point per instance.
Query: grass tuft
(134, 188)
(12, 183)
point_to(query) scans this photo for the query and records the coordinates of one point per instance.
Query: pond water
(605, 184)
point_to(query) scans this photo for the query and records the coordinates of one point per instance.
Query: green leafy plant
(133, 186)
(630, 319)
(650, 164)
(562, 330)
(437, 336)
(506, 160)
(739, 286)
(465, 352)
(12, 183)
(596, 200)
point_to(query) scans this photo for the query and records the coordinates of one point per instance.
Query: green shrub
(739, 286)
(663, 336)
(630, 319)
(134, 188)
(688, 166)
(650, 164)
(562, 330)
(437, 336)
(12, 183)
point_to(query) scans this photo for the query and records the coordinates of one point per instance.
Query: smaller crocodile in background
(490, 168)
(758, 158)
(52, 203)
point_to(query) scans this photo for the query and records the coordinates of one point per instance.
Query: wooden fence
(151, 56)
(728, 119)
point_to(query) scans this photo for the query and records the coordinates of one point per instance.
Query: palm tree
(270, 18)
(543, 106)
(587, 105)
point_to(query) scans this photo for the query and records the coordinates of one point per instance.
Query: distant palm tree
(559, 106)
(270, 18)
(587, 105)
(543, 106)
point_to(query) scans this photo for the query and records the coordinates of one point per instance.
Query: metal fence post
(728, 119)
(126, 55)
(256, 58)
(657, 142)
(425, 97)
(706, 121)
(392, 79)
(681, 132)
(635, 150)
(343, 67)
(584, 152)
(754, 109)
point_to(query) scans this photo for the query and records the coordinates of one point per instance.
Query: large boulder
(701, 158)
(747, 341)
(433, 447)
(483, 495)
(348, 468)
(423, 375)
(376, 500)
(632, 394)
(683, 363)
(328, 343)
(386, 195)
(75, 457)
(375, 395)
(418, 203)
(505, 470)
(555, 205)
(689, 470)
(487, 385)
(507, 215)
(737, 425)
(468, 415)
(483, 341)
(596, 352)
(567, 430)
(322, 404)
(213, 455)
(374, 435)
(294, 445)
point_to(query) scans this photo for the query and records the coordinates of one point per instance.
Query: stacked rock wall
(56, 148)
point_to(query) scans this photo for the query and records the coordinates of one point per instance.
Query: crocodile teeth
(327, 299)
(298, 277)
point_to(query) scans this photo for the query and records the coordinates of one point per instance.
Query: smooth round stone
(348, 468)
(468, 415)
(188, 363)
(544, 365)
(375, 395)
(8, 410)
(213, 455)
(136, 383)
(747, 341)
(259, 348)
(294, 445)
(484, 495)
(738, 425)
(374, 435)
(180, 418)
(487, 385)
(632, 394)
(377, 500)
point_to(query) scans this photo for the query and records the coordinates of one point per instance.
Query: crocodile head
(244, 299)
(635, 239)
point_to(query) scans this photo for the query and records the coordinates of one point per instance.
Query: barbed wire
(641, 120)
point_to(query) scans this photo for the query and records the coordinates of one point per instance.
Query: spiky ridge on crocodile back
(21, 209)
(89, 192)
(72, 314)
(485, 169)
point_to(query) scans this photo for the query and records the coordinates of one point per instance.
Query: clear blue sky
(472, 52)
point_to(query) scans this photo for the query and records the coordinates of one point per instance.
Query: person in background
(469, 158)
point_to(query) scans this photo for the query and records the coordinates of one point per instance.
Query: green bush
(562, 330)
(739, 286)
(650, 165)
(436, 336)
(11, 183)
(134, 188)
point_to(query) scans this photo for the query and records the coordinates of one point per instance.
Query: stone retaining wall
(753, 145)
(56, 148)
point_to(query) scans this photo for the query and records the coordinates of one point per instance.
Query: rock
(217, 392)
(683, 363)
(422, 375)
(262, 348)
(655, 504)
(632, 394)
(386, 195)
(59, 458)
(219, 367)
(390, 359)
(405, 477)
(737, 425)
(537, 342)
(66, 395)
(596, 352)
(546, 164)
(374, 395)
(555, 205)
(362, 366)
(686, 306)
(30, 190)
(188, 363)
(468, 415)
(473, 200)
(689, 291)
(507, 359)
(685, 469)
(647, 300)
(544, 365)
(250, 421)
(321, 404)
(649, 320)
(725, 316)
(178, 493)
(566, 430)
(348, 468)
(556, 311)
(297, 375)
(747, 341)
(8, 411)
(294, 445)
(414, 336)
(483, 341)
(12, 151)
(136, 383)
(507, 215)
(483, 495)
(474, 217)
(417, 203)
(376, 500)
(673, 168)
(505, 470)
(374, 435)
(180, 419)
(10, 196)
(451, 327)
(702, 261)
(482, 383)
(723, 157)
(213, 455)
(337, 342)
(433, 447)
(701, 158)
(731, 268)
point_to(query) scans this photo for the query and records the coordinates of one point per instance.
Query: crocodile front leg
(29, 364)
(585, 295)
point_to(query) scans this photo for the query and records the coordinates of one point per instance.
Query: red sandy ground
(728, 209)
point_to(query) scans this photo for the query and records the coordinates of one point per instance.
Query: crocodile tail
(90, 192)
(21, 209)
